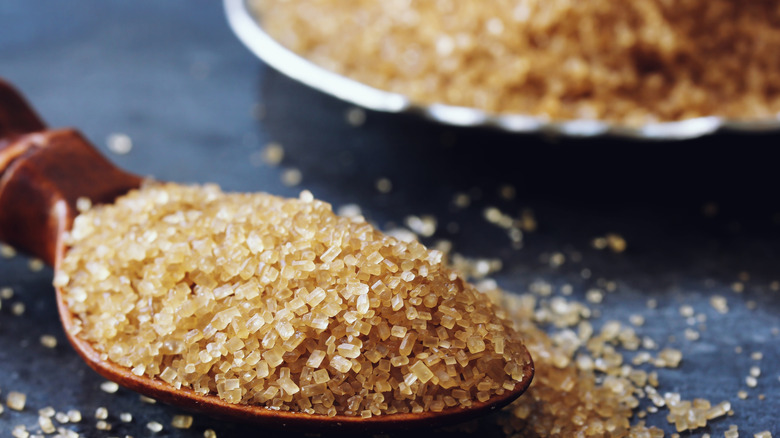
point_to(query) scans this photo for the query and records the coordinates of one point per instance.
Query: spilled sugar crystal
(48, 341)
(109, 387)
(182, 421)
(74, 416)
(16, 400)
(101, 413)
(46, 425)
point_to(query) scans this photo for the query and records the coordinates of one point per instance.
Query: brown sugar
(582, 387)
(631, 62)
(279, 302)
(330, 316)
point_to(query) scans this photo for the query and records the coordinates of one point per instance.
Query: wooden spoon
(42, 174)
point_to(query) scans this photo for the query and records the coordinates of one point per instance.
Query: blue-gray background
(172, 76)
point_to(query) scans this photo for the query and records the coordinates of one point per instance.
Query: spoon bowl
(44, 172)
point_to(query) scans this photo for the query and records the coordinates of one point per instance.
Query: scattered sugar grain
(7, 251)
(16, 400)
(637, 320)
(461, 200)
(594, 296)
(424, 226)
(102, 425)
(742, 394)
(48, 341)
(182, 421)
(146, 399)
(18, 308)
(20, 431)
(273, 154)
(355, 116)
(507, 191)
(292, 177)
(83, 204)
(751, 381)
(756, 355)
(764, 434)
(692, 335)
(719, 303)
(350, 211)
(669, 357)
(101, 413)
(126, 417)
(616, 242)
(154, 426)
(6, 293)
(62, 417)
(35, 265)
(384, 185)
(209, 433)
(119, 143)
(557, 259)
(74, 416)
(109, 387)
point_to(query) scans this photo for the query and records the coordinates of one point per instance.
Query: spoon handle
(42, 175)
(16, 115)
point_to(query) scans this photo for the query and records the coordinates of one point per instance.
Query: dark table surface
(199, 107)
